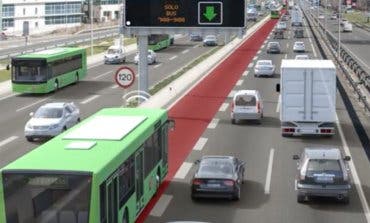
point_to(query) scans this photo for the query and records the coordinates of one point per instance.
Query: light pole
(339, 20)
(91, 28)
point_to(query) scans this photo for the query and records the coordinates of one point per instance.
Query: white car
(115, 54)
(281, 25)
(246, 105)
(299, 47)
(347, 27)
(321, 17)
(51, 119)
(210, 40)
(302, 57)
(264, 68)
(152, 57)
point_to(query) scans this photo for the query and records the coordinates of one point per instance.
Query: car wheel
(64, 129)
(237, 194)
(29, 138)
(345, 200)
(78, 120)
(233, 121)
(300, 198)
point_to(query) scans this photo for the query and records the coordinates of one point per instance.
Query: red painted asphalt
(196, 109)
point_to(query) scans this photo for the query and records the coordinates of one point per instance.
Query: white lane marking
(239, 82)
(90, 99)
(30, 105)
(195, 46)
(8, 96)
(223, 107)
(161, 205)
(313, 49)
(185, 51)
(246, 73)
(259, 51)
(231, 94)
(250, 65)
(114, 86)
(183, 170)
(295, 184)
(286, 56)
(213, 123)
(8, 140)
(255, 58)
(102, 75)
(269, 171)
(200, 144)
(172, 58)
(352, 167)
(263, 46)
(278, 104)
(158, 65)
(265, 42)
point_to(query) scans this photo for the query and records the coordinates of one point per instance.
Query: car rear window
(323, 165)
(216, 167)
(264, 63)
(245, 100)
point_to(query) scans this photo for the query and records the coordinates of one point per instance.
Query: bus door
(112, 199)
(139, 179)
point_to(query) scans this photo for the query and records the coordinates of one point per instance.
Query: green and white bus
(275, 14)
(48, 70)
(104, 170)
(159, 41)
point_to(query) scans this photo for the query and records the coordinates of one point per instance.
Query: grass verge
(4, 75)
(357, 17)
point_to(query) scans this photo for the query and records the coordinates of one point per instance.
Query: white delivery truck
(297, 17)
(252, 14)
(307, 97)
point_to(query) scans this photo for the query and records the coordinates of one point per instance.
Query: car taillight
(258, 107)
(326, 130)
(288, 129)
(229, 182)
(197, 182)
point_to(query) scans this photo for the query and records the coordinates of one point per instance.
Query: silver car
(322, 172)
(299, 47)
(264, 68)
(51, 119)
(152, 57)
(210, 40)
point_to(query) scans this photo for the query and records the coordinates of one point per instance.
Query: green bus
(275, 14)
(104, 170)
(48, 70)
(159, 41)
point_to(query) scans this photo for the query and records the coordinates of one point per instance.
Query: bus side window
(103, 204)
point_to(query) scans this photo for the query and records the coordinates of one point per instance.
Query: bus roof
(88, 147)
(51, 54)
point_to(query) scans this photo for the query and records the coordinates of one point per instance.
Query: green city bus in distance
(104, 170)
(275, 14)
(48, 70)
(158, 41)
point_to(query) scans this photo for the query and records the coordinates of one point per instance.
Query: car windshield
(273, 44)
(264, 63)
(215, 167)
(113, 51)
(322, 165)
(44, 112)
(245, 100)
(210, 37)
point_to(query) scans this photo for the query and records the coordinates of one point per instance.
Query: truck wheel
(345, 200)
(233, 121)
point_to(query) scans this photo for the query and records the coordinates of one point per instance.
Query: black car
(298, 33)
(218, 177)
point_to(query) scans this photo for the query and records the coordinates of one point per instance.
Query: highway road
(96, 91)
(357, 42)
(268, 194)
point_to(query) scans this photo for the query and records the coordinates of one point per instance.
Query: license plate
(325, 178)
(307, 130)
(213, 185)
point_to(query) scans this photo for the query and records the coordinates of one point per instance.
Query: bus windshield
(29, 71)
(46, 197)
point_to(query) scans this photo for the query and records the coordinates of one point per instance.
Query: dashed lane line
(200, 144)
(172, 58)
(30, 105)
(224, 107)
(239, 82)
(158, 65)
(185, 51)
(102, 75)
(7, 140)
(90, 99)
(183, 170)
(161, 206)
(213, 123)
(269, 171)
(246, 73)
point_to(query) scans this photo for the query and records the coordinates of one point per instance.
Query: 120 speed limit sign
(125, 77)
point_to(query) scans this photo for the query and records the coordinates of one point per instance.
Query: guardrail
(54, 44)
(364, 78)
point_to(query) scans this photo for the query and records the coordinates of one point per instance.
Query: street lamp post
(91, 28)
(339, 20)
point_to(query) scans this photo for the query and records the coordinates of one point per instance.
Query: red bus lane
(195, 110)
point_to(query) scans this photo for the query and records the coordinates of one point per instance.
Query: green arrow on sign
(210, 13)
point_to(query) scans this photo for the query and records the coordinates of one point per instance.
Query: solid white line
(356, 179)
(231, 94)
(213, 123)
(255, 58)
(278, 104)
(183, 170)
(250, 65)
(114, 86)
(224, 107)
(158, 65)
(246, 73)
(30, 105)
(200, 144)
(90, 99)
(102, 75)
(269, 171)
(263, 46)
(259, 51)
(8, 140)
(195, 46)
(161, 205)
(185, 51)
(172, 58)
(239, 82)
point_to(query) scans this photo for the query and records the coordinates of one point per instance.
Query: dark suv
(322, 172)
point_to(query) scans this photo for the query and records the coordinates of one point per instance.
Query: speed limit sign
(125, 77)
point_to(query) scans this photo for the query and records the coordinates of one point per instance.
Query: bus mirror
(7, 67)
(171, 125)
(277, 87)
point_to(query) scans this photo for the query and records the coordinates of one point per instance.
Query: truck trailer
(307, 97)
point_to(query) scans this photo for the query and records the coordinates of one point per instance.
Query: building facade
(40, 16)
(103, 10)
